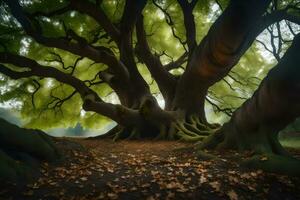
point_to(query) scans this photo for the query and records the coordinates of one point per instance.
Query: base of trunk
(274, 163)
(188, 130)
(262, 140)
(268, 153)
(135, 133)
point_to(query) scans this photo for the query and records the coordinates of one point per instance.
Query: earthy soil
(103, 169)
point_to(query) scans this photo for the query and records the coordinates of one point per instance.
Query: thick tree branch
(275, 16)
(166, 81)
(256, 124)
(123, 41)
(177, 63)
(91, 100)
(32, 68)
(274, 105)
(189, 23)
(98, 14)
(80, 47)
(59, 11)
(120, 114)
(223, 51)
(14, 74)
(279, 15)
(223, 46)
(131, 12)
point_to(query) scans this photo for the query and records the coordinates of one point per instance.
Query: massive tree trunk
(217, 54)
(21, 150)
(256, 124)
(139, 114)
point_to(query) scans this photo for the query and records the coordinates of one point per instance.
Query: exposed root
(205, 156)
(13, 171)
(212, 141)
(277, 148)
(193, 130)
(21, 150)
(190, 130)
(118, 134)
(274, 163)
(183, 130)
(110, 134)
(187, 138)
(163, 134)
(269, 154)
(134, 134)
(209, 127)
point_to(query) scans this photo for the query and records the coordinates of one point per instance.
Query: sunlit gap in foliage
(25, 43)
(270, 37)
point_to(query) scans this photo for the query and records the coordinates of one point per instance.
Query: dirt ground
(103, 169)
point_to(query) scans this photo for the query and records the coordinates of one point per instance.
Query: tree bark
(21, 150)
(185, 95)
(256, 124)
(138, 87)
(165, 80)
(272, 107)
(218, 53)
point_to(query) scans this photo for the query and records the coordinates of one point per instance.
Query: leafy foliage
(48, 95)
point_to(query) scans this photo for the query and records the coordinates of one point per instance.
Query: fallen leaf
(83, 178)
(264, 158)
(232, 195)
(28, 193)
(150, 198)
(215, 185)
(203, 179)
(112, 195)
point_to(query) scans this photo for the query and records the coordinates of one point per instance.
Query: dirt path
(93, 169)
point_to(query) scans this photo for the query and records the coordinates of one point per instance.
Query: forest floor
(102, 169)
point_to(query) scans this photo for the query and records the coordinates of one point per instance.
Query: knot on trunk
(148, 106)
(88, 99)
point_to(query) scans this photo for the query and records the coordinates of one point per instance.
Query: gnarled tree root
(12, 170)
(269, 155)
(211, 141)
(192, 130)
(21, 150)
(189, 130)
(274, 163)
(109, 134)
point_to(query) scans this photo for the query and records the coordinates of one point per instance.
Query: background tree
(94, 48)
